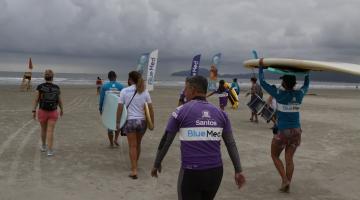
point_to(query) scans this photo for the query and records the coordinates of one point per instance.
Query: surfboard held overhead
(301, 66)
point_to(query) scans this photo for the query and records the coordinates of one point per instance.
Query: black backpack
(49, 96)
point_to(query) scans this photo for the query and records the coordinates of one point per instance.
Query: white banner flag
(153, 58)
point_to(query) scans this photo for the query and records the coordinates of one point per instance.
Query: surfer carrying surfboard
(289, 129)
(222, 94)
(134, 98)
(236, 86)
(112, 85)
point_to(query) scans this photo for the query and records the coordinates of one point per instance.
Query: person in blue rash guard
(289, 128)
(201, 126)
(112, 85)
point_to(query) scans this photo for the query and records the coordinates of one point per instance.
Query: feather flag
(30, 64)
(195, 64)
(152, 63)
(215, 64)
(142, 62)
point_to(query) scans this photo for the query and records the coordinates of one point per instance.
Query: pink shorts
(44, 115)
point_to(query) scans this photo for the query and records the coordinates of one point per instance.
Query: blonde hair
(49, 73)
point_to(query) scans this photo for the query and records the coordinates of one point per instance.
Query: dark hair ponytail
(138, 80)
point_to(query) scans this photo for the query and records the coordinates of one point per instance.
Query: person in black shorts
(201, 126)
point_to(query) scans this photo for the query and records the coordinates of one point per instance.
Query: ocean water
(15, 78)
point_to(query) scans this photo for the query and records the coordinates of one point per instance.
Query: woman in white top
(134, 98)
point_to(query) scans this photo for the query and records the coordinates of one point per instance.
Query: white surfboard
(304, 65)
(110, 107)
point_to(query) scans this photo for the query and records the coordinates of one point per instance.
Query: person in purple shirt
(201, 126)
(223, 94)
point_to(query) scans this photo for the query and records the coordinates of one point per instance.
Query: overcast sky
(95, 35)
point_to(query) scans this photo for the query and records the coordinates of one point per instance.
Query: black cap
(288, 78)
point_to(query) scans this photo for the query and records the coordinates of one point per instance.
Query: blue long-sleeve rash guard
(288, 102)
(112, 85)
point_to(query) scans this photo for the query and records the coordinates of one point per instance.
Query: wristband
(34, 111)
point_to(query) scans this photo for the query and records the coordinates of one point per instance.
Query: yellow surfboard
(149, 121)
(233, 97)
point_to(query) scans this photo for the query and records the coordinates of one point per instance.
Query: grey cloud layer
(319, 29)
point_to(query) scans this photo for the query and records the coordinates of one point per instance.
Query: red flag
(30, 64)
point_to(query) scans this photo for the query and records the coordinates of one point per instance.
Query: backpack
(49, 97)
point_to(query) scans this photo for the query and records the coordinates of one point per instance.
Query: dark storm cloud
(310, 29)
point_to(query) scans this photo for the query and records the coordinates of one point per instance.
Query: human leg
(289, 155)
(111, 137)
(138, 144)
(252, 116)
(132, 141)
(199, 184)
(43, 132)
(188, 186)
(256, 117)
(50, 134)
(212, 182)
(276, 150)
(117, 133)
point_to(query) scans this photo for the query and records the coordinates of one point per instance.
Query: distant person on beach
(26, 81)
(236, 86)
(116, 87)
(201, 126)
(222, 94)
(99, 83)
(289, 128)
(271, 102)
(48, 99)
(182, 98)
(134, 98)
(255, 91)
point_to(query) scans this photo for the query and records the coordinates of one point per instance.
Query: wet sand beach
(84, 167)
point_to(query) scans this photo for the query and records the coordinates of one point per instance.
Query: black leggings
(199, 184)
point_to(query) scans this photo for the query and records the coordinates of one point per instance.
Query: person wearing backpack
(48, 99)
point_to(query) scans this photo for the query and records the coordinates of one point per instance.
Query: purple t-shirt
(223, 97)
(200, 125)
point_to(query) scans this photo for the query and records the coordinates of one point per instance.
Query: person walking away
(99, 83)
(201, 126)
(48, 99)
(255, 91)
(289, 129)
(236, 86)
(116, 87)
(134, 98)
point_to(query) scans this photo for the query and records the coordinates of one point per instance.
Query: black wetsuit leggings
(199, 184)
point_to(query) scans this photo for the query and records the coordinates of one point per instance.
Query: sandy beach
(84, 167)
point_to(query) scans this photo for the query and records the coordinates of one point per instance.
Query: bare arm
(118, 114)
(35, 103)
(61, 106)
(151, 109)
(211, 94)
